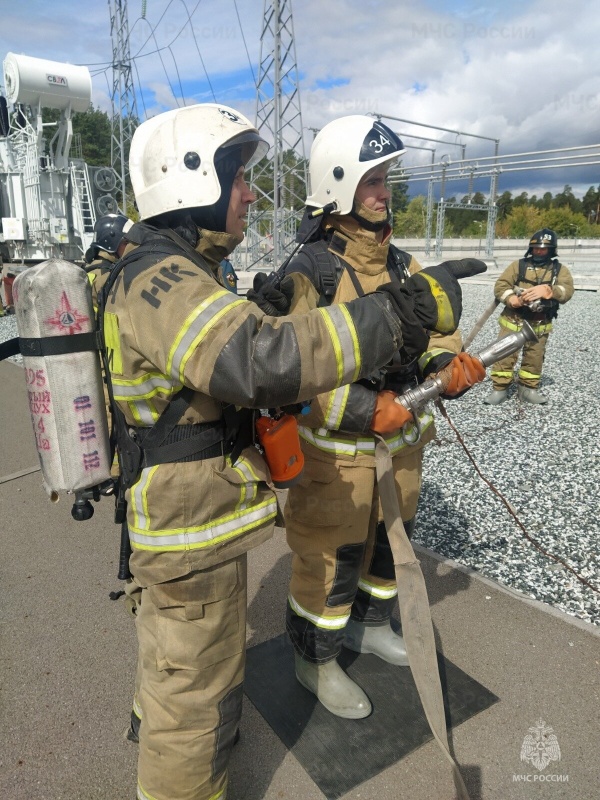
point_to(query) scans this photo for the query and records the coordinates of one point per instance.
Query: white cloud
(523, 72)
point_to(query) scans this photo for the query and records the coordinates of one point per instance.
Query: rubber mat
(340, 754)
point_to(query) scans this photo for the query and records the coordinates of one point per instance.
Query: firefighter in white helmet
(191, 360)
(343, 586)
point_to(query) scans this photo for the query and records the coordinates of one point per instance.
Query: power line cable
(141, 92)
(178, 77)
(197, 48)
(158, 49)
(153, 28)
(245, 45)
(153, 35)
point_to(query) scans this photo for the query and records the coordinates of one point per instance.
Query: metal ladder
(83, 202)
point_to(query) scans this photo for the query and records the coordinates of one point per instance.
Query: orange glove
(389, 416)
(466, 371)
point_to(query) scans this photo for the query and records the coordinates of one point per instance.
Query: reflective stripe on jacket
(168, 324)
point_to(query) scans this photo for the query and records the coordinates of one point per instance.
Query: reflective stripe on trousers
(342, 564)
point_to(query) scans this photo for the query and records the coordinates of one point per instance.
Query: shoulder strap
(131, 455)
(398, 262)
(326, 271)
(556, 265)
(355, 282)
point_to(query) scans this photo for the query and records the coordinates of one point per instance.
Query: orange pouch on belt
(281, 444)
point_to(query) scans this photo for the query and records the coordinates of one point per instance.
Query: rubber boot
(496, 397)
(377, 639)
(529, 395)
(333, 688)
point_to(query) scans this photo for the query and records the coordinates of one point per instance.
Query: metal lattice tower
(279, 182)
(124, 107)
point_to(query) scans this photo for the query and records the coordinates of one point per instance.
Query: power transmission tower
(124, 107)
(279, 182)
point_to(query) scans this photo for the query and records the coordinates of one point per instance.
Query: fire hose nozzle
(507, 345)
(415, 399)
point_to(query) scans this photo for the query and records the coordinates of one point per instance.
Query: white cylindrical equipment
(31, 81)
(65, 392)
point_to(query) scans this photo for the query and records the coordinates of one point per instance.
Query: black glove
(466, 267)
(437, 297)
(414, 338)
(274, 301)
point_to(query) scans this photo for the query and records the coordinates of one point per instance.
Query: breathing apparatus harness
(542, 310)
(324, 267)
(166, 441)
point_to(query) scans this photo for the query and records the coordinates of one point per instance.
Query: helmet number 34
(379, 145)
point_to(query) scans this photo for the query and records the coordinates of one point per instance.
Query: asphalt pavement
(68, 652)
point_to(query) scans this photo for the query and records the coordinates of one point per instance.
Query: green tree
(94, 128)
(522, 221)
(565, 222)
(399, 201)
(504, 204)
(411, 223)
(590, 205)
(568, 199)
(521, 200)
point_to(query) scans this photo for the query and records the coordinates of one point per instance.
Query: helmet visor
(253, 148)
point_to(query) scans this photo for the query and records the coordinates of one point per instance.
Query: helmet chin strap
(370, 220)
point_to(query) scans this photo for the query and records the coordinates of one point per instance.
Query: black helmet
(108, 232)
(543, 238)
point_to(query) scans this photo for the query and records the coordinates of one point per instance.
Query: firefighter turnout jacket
(98, 272)
(168, 324)
(339, 421)
(525, 274)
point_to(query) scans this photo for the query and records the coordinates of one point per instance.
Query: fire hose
(417, 627)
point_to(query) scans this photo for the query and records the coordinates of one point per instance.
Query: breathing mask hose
(274, 278)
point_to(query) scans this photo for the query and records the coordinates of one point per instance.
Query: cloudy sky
(526, 72)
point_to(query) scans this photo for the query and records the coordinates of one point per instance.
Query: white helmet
(174, 156)
(342, 152)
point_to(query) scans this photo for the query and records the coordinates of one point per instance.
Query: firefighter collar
(214, 246)
(358, 246)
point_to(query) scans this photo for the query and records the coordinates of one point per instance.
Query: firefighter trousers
(532, 361)
(342, 564)
(191, 635)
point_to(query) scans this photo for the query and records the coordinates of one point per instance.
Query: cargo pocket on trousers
(321, 499)
(198, 619)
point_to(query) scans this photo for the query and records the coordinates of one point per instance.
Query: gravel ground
(543, 459)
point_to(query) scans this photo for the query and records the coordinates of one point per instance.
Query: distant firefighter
(532, 289)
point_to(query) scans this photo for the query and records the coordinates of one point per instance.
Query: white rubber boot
(377, 639)
(333, 688)
(496, 396)
(529, 395)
